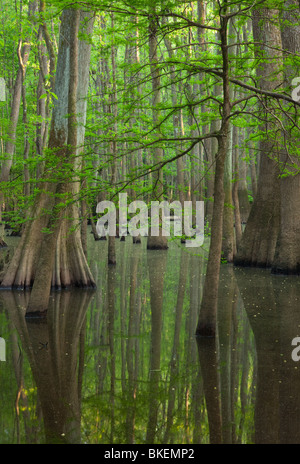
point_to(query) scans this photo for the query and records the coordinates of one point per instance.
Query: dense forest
(164, 100)
(143, 338)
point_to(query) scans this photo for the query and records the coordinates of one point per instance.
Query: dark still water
(121, 365)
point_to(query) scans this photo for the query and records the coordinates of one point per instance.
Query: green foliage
(119, 121)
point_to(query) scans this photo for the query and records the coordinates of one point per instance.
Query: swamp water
(121, 365)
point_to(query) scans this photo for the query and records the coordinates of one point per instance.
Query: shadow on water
(122, 364)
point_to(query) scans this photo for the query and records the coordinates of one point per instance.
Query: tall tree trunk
(235, 197)
(134, 87)
(208, 312)
(178, 128)
(114, 111)
(242, 185)
(213, 149)
(160, 242)
(287, 254)
(50, 251)
(44, 271)
(258, 243)
(228, 245)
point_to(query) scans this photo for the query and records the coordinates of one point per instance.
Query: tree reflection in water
(272, 306)
(54, 347)
(122, 364)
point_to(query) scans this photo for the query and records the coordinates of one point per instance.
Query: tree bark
(114, 110)
(228, 245)
(287, 254)
(258, 243)
(235, 196)
(208, 312)
(160, 242)
(56, 258)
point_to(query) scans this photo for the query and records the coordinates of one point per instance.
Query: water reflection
(272, 306)
(122, 364)
(55, 352)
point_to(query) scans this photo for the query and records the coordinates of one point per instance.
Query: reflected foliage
(122, 365)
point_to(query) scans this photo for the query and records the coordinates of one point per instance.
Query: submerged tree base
(276, 269)
(280, 270)
(241, 262)
(157, 243)
(136, 240)
(206, 331)
(36, 315)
